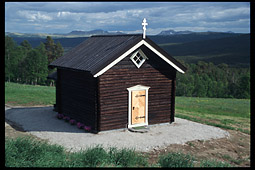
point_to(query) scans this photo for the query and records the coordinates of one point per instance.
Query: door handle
(133, 108)
(139, 95)
(139, 117)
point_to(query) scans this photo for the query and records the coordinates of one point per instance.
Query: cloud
(34, 16)
(126, 16)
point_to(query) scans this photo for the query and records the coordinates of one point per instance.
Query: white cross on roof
(144, 28)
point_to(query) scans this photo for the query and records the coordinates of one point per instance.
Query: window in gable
(138, 58)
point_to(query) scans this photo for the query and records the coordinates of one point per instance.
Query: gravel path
(42, 122)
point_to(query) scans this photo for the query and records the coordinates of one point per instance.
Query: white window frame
(137, 88)
(142, 55)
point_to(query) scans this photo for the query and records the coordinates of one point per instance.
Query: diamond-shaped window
(138, 58)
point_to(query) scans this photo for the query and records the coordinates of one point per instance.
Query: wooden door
(138, 107)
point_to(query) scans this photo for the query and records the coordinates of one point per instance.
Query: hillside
(192, 37)
(234, 51)
(230, 48)
(67, 43)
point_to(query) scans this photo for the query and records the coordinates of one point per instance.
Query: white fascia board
(163, 57)
(142, 42)
(119, 59)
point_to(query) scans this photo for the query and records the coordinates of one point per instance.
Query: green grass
(176, 160)
(21, 94)
(28, 152)
(24, 152)
(225, 113)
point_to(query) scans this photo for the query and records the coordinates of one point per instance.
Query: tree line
(24, 64)
(209, 80)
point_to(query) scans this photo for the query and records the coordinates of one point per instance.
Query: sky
(64, 17)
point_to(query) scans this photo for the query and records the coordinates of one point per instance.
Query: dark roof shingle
(97, 52)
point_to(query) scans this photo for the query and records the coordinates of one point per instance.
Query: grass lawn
(225, 113)
(29, 95)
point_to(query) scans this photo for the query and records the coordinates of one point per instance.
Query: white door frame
(137, 88)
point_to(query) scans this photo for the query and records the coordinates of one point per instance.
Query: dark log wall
(113, 93)
(77, 96)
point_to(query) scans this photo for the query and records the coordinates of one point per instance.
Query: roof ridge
(118, 35)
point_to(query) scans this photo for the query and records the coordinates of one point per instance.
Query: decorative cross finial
(144, 28)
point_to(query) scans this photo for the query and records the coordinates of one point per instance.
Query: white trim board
(142, 42)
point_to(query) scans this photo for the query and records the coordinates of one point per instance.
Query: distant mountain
(172, 32)
(72, 34)
(93, 32)
(230, 32)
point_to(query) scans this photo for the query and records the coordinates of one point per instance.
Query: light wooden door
(138, 107)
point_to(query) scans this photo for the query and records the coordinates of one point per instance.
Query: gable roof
(99, 53)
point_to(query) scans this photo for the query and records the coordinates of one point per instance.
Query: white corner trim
(138, 88)
(142, 42)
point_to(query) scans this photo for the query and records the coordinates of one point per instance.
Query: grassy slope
(225, 113)
(28, 95)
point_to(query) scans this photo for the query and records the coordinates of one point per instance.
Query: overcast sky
(64, 17)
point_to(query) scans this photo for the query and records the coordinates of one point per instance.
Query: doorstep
(140, 129)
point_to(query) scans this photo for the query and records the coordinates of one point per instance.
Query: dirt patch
(234, 149)
(13, 131)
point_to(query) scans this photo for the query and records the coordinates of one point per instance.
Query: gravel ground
(42, 122)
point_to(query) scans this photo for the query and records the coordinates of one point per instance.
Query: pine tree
(42, 67)
(53, 50)
(26, 45)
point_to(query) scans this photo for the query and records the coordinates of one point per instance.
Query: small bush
(87, 128)
(214, 163)
(72, 122)
(60, 116)
(80, 125)
(91, 157)
(175, 160)
(66, 118)
(126, 158)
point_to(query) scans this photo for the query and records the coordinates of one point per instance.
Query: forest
(27, 65)
(210, 80)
